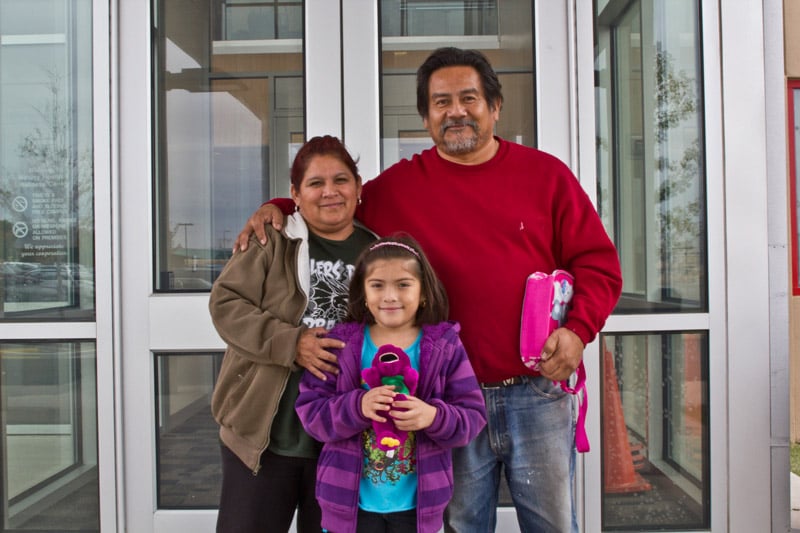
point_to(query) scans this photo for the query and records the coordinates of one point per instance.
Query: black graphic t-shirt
(332, 264)
(331, 267)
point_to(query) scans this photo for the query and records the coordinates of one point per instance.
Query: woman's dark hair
(434, 306)
(321, 145)
(456, 57)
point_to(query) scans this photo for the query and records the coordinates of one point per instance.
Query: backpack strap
(581, 439)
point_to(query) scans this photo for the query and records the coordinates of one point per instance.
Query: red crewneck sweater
(485, 228)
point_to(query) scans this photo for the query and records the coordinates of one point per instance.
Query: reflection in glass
(46, 212)
(229, 112)
(441, 17)
(189, 470)
(49, 437)
(411, 29)
(654, 411)
(262, 19)
(650, 159)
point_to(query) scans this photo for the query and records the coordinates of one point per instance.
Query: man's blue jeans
(530, 436)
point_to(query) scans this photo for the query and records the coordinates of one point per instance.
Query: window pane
(49, 437)
(411, 29)
(654, 411)
(229, 106)
(249, 22)
(262, 19)
(47, 241)
(442, 17)
(189, 470)
(650, 159)
(794, 147)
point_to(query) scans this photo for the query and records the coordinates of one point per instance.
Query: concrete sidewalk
(794, 498)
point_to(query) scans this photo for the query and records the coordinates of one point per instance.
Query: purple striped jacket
(330, 411)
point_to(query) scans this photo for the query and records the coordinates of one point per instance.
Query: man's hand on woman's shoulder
(266, 214)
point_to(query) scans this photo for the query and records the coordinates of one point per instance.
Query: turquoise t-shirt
(389, 479)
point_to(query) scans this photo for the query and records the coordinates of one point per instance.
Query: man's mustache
(458, 123)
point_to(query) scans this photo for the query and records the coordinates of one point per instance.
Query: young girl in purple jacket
(374, 485)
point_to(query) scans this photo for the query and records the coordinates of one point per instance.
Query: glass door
(380, 117)
(204, 139)
(227, 116)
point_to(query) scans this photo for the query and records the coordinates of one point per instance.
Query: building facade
(137, 137)
(792, 60)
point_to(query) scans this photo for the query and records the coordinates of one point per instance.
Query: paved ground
(795, 499)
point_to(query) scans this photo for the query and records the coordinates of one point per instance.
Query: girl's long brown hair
(434, 305)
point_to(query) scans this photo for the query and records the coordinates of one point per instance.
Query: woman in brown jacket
(273, 304)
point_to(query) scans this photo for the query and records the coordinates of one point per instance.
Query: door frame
(143, 322)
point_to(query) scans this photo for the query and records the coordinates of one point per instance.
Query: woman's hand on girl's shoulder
(313, 355)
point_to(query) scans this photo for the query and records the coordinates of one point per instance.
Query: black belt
(516, 380)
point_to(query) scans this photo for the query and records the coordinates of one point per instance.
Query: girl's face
(393, 289)
(327, 197)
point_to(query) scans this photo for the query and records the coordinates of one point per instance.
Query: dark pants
(401, 522)
(265, 503)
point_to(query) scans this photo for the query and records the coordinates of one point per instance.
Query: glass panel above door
(228, 118)
(650, 151)
(46, 161)
(411, 29)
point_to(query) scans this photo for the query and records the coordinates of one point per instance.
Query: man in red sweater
(488, 213)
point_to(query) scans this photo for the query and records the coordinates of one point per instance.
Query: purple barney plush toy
(391, 366)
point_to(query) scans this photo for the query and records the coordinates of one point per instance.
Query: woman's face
(327, 197)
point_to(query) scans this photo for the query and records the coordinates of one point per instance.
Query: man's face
(459, 119)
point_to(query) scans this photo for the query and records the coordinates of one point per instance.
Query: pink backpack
(544, 308)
